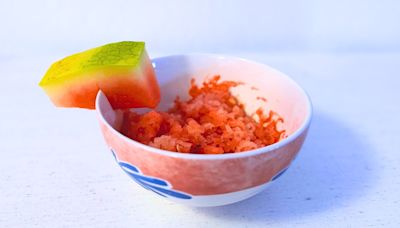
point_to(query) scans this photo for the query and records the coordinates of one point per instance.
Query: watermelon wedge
(123, 71)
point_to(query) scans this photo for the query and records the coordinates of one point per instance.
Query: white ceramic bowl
(212, 180)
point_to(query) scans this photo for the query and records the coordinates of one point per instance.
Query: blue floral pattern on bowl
(154, 184)
(279, 174)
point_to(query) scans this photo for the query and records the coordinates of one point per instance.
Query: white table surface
(56, 171)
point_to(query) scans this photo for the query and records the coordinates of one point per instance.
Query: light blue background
(177, 26)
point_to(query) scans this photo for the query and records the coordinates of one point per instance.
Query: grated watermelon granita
(212, 121)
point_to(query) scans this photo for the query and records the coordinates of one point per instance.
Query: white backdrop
(176, 26)
(55, 170)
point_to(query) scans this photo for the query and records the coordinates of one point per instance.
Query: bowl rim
(303, 127)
